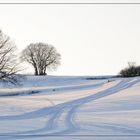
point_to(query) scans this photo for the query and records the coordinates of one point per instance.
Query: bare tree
(8, 62)
(42, 57)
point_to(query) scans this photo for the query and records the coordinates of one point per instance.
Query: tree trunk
(36, 71)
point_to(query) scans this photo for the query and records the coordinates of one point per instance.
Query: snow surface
(66, 107)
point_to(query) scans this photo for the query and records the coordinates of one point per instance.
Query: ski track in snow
(69, 109)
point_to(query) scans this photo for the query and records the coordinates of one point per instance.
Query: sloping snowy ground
(52, 107)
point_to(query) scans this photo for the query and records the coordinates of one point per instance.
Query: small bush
(130, 71)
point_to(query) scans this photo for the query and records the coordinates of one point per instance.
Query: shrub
(130, 71)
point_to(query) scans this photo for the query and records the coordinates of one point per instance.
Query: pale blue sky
(92, 39)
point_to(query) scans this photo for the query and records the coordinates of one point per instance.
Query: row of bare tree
(40, 56)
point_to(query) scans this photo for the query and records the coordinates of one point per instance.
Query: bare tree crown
(42, 57)
(8, 60)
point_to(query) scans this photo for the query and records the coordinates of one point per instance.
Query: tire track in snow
(71, 126)
(56, 111)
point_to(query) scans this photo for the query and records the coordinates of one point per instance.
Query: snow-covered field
(62, 107)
